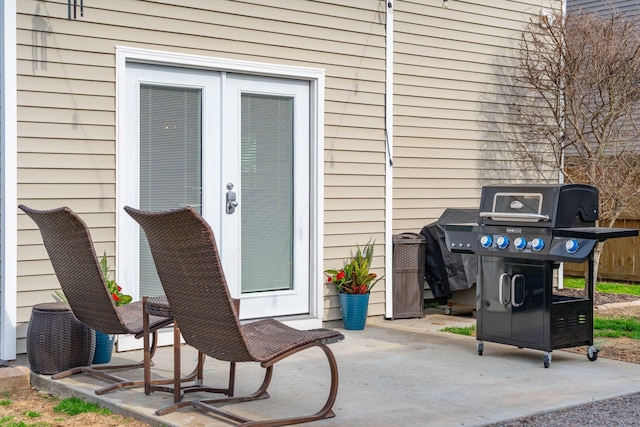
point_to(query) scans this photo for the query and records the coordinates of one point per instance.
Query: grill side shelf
(595, 233)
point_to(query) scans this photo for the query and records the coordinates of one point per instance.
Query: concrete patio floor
(394, 373)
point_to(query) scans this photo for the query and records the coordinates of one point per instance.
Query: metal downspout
(388, 231)
(563, 11)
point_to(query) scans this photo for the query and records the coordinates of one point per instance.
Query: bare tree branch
(577, 95)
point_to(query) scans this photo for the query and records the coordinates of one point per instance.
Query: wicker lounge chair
(70, 248)
(186, 257)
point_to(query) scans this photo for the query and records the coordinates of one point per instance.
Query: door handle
(501, 284)
(232, 203)
(517, 280)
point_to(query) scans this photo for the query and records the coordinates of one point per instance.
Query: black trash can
(409, 251)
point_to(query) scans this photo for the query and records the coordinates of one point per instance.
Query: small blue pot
(354, 309)
(104, 348)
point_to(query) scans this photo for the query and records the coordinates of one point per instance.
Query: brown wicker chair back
(70, 248)
(187, 262)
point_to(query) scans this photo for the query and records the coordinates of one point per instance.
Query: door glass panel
(170, 160)
(267, 193)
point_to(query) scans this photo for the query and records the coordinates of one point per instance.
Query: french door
(236, 148)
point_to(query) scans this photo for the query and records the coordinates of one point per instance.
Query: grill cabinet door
(511, 296)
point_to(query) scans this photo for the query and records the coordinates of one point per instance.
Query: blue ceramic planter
(354, 309)
(104, 348)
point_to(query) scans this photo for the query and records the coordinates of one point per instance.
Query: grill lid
(545, 205)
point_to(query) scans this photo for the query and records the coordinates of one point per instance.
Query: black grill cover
(447, 272)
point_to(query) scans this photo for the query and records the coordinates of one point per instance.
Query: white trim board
(8, 183)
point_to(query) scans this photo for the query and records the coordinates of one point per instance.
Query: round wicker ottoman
(56, 340)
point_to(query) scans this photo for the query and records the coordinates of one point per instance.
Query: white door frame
(316, 78)
(9, 180)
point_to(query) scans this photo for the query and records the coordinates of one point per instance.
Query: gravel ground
(620, 411)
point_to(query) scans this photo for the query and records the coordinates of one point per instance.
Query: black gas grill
(522, 235)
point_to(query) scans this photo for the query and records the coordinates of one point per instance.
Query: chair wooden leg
(117, 381)
(177, 396)
(99, 372)
(232, 379)
(123, 382)
(261, 393)
(325, 412)
(146, 350)
(176, 386)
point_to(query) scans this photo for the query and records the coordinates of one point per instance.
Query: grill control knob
(502, 242)
(486, 241)
(520, 243)
(572, 246)
(537, 244)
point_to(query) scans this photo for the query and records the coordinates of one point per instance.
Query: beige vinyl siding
(67, 106)
(447, 84)
(450, 71)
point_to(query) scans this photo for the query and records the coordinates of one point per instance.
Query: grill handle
(515, 216)
(501, 287)
(514, 282)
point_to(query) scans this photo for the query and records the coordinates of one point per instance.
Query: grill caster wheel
(546, 360)
(480, 348)
(592, 353)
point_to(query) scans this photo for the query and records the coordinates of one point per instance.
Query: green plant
(628, 327)
(354, 277)
(116, 291)
(75, 406)
(60, 295)
(31, 414)
(467, 330)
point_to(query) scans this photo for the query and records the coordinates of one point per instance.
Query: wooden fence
(620, 259)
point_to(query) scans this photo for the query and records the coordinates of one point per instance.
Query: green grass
(31, 414)
(75, 406)
(604, 287)
(431, 304)
(467, 330)
(9, 421)
(628, 327)
(12, 423)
